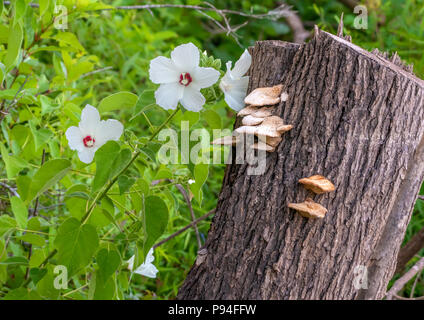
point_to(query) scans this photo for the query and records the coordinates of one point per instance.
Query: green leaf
(76, 244)
(156, 220)
(34, 239)
(201, 172)
(108, 261)
(103, 290)
(104, 158)
(23, 183)
(213, 119)
(7, 223)
(20, 211)
(121, 161)
(22, 294)
(12, 167)
(41, 136)
(69, 39)
(19, 261)
(120, 100)
(37, 274)
(125, 183)
(13, 46)
(48, 175)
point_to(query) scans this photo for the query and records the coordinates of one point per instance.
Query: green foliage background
(50, 81)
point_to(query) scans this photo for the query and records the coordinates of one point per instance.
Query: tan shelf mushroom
(309, 209)
(251, 120)
(271, 141)
(255, 112)
(226, 141)
(264, 96)
(263, 146)
(318, 184)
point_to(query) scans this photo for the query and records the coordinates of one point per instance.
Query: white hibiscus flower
(234, 83)
(181, 78)
(92, 133)
(147, 268)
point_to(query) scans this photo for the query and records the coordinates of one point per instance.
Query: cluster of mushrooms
(259, 121)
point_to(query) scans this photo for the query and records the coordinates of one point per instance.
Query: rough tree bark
(358, 121)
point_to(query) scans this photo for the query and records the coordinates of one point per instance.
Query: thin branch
(95, 71)
(193, 217)
(11, 189)
(282, 11)
(400, 283)
(409, 250)
(195, 222)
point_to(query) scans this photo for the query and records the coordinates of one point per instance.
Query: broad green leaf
(19, 10)
(104, 158)
(20, 261)
(41, 136)
(156, 220)
(23, 183)
(48, 175)
(20, 211)
(45, 286)
(22, 294)
(7, 223)
(12, 167)
(102, 290)
(44, 6)
(125, 183)
(120, 100)
(34, 239)
(213, 119)
(121, 161)
(201, 172)
(164, 173)
(37, 274)
(76, 244)
(69, 39)
(108, 261)
(13, 46)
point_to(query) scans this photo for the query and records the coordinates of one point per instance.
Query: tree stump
(358, 120)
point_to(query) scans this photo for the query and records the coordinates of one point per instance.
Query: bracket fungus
(309, 209)
(226, 141)
(251, 120)
(255, 112)
(318, 184)
(264, 96)
(263, 146)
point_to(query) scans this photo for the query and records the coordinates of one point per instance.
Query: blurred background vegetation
(124, 41)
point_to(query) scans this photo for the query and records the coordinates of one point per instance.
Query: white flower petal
(205, 77)
(131, 263)
(242, 65)
(90, 119)
(168, 95)
(186, 57)
(150, 257)
(75, 137)
(149, 270)
(234, 91)
(192, 99)
(146, 269)
(87, 155)
(163, 70)
(108, 130)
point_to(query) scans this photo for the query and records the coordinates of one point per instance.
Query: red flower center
(88, 141)
(185, 79)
